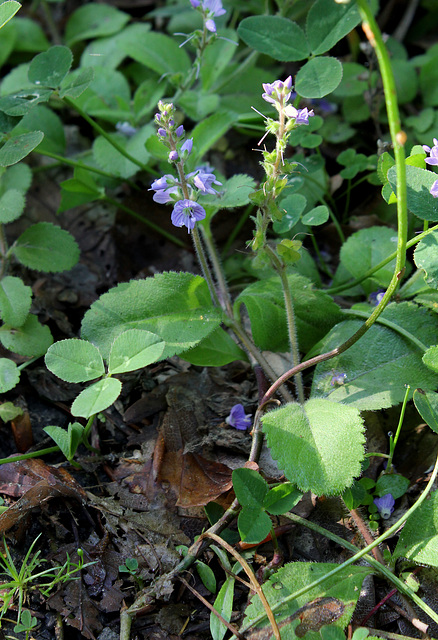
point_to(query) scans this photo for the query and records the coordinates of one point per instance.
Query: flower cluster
(432, 160)
(278, 93)
(210, 9)
(184, 190)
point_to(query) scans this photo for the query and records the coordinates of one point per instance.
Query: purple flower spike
(385, 505)
(238, 418)
(204, 182)
(187, 213)
(434, 189)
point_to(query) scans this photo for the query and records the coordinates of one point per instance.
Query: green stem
(26, 456)
(372, 31)
(218, 271)
(373, 270)
(80, 165)
(391, 325)
(393, 441)
(105, 135)
(290, 315)
(149, 223)
(236, 229)
(258, 356)
(357, 556)
(202, 259)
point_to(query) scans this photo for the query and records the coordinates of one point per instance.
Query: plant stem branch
(104, 134)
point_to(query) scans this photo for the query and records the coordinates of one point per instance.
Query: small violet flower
(173, 156)
(165, 187)
(127, 129)
(180, 131)
(338, 379)
(277, 91)
(238, 418)
(211, 9)
(433, 153)
(301, 115)
(204, 182)
(434, 189)
(187, 147)
(187, 213)
(375, 298)
(385, 505)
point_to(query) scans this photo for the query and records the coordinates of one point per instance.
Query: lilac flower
(179, 131)
(162, 132)
(187, 213)
(127, 129)
(434, 189)
(211, 9)
(163, 183)
(375, 298)
(238, 418)
(301, 115)
(173, 156)
(385, 505)
(165, 187)
(433, 152)
(187, 147)
(277, 91)
(338, 379)
(204, 182)
(165, 195)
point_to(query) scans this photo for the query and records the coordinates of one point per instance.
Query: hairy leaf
(318, 445)
(9, 375)
(176, 306)
(419, 537)
(18, 147)
(50, 67)
(381, 363)
(344, 586)
(11, 206)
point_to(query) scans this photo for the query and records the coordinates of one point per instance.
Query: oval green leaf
(15, 301)
(50, 67)
(318, 77)
(46, 247)
(134, 349)
(426, 403)
(74, 360)
(98, 397)
(278, 37)
(18, 147)
(9, 375)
